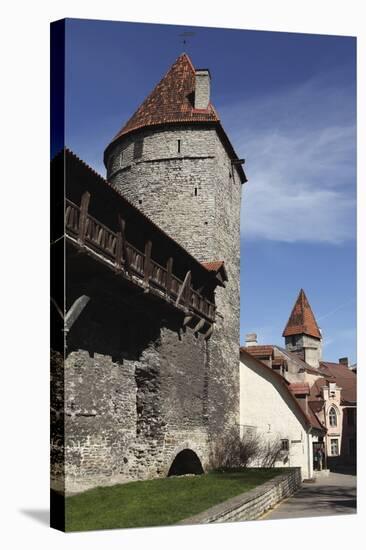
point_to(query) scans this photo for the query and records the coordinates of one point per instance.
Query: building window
(285, 445)
(137, 149)
(334, 450)
(293, 340)
(195, 191)
(178, 145)
(332, 417)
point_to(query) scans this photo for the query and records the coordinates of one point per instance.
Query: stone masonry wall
(184, 181)
(252, 504)
(133, 398)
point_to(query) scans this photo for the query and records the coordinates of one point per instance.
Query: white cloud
(300, 151)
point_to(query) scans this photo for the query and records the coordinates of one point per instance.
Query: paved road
(331, 495)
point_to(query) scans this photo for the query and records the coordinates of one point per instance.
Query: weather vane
(185, 36)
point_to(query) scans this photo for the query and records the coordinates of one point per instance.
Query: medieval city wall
(128, 412)
(185, 182)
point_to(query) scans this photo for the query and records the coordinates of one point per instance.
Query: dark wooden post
(119, 250)
(84, 205)
(147, 264)
(186, 283)
(122, 226)
(169, 270)
(188, 292)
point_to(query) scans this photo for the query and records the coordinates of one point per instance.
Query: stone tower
(174, 161)
(302, 334)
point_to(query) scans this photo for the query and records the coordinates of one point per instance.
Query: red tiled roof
(279, 361)
(217, 267)
(302, 320)
(213, 266)
(171, 100)
(259, 351)
(299, 389)
(345, 378)
(316, 406)
(314, 420)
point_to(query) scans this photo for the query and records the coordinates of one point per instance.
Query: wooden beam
(75, 310)
(169, 270)
(147, 262)
(199, 325)
(209, 332)
(122, 230)
(84, 205)
(119, 251)
(186, 282)
(187, 319)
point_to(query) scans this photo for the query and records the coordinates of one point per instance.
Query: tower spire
(302, 319)
(302, 334)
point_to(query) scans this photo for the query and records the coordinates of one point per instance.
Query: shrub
(233, 451)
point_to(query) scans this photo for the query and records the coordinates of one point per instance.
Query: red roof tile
(345, 378)
(172, 102)
(302, 320)
(259, 351)
(213, 266)
(299, 389)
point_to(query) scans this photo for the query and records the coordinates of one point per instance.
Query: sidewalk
(331, 495)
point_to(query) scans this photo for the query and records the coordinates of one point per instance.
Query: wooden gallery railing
(113, 247)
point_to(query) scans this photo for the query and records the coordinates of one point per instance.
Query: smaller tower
(302, 334)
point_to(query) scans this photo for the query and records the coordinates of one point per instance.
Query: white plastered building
(270, 410)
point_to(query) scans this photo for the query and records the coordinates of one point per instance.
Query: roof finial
(185, 36)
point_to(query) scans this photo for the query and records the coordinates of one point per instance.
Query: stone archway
(185, 462)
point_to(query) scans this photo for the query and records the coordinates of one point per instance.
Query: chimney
(202, 89)
(343, 361)
(251, 339)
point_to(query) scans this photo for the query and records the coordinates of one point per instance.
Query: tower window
(285, 445)
(332, 417)
(137, 150)
(179, 145)
(195, 191)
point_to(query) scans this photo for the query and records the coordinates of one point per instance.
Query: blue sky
(288, 103)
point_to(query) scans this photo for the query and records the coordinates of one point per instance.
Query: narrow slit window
(195, 191)
(179, 145)
(138, 147)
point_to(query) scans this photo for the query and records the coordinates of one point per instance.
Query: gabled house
(326, 391)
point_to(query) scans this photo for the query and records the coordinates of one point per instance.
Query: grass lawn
(158, 501)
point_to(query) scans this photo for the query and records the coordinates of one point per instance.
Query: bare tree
(233, 451)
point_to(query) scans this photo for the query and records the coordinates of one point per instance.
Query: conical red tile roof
(172, 100)
(302, 320)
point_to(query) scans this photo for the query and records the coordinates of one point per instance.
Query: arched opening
(332, 417)
(186, 462)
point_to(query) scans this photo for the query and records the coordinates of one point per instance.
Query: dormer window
(332, 417)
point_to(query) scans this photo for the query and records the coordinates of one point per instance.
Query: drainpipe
(310, 462)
